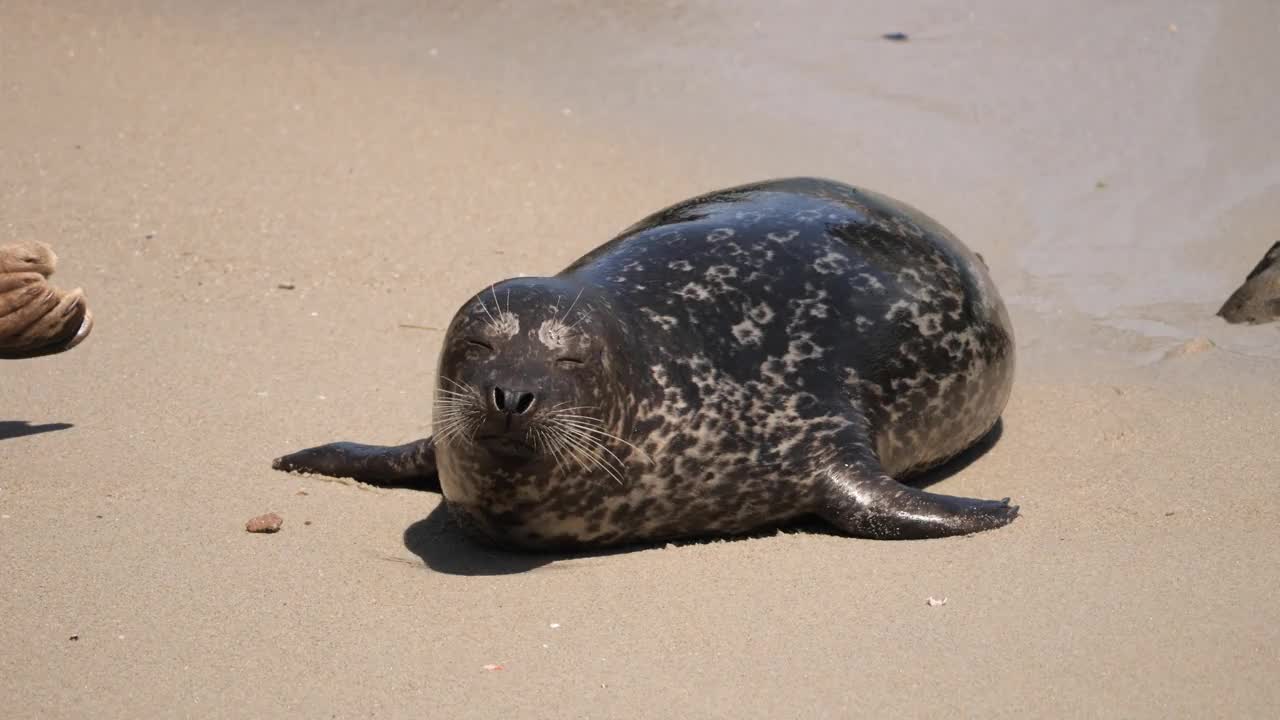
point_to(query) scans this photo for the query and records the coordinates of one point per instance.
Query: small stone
(268, 523)
(896, 37)
(493, 667)
(1191, 347)
(286, 286)
(935, 602)
(74, 638)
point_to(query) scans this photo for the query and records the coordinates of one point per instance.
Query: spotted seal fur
(750, 356)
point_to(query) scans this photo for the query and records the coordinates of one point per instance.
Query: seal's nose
(512, 402)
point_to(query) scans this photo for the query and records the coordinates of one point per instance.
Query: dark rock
(1258, 299)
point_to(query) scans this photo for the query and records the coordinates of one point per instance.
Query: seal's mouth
(507, 446)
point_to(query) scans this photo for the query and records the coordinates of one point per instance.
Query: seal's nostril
(512, 402)
(523, 401)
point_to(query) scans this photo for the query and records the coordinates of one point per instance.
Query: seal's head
(528, 376)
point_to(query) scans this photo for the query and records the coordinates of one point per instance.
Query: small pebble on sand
(268, 523)
(1190, 347)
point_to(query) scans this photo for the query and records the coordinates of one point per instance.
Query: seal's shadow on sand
(444, 548)
(10, 429)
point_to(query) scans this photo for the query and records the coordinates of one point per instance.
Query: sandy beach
(273, 207)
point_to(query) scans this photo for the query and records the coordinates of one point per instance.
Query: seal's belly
(680, 495)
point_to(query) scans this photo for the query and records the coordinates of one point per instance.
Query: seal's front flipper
(412, 465)
(865, 502)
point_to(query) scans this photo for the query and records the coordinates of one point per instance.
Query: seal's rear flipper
(874, 505)
(412, 465)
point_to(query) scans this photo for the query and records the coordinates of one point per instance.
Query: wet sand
(1113, 164)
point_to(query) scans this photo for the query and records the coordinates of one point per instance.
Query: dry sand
(1115, 162)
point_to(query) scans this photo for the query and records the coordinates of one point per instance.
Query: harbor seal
(751, 356)
(36, 318)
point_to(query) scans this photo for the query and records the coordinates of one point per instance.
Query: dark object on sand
(1258, 299)
(896, 37)
(35, 317)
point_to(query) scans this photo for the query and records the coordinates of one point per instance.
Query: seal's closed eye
(569, 362)
(480, 344)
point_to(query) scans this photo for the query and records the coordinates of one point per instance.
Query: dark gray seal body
(747, 357)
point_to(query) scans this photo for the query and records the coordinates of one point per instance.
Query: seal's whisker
(457, 413)
(571, 305)
(456, 404)
(492, 323)
(609, 436)
(565, 412)
(445, 432)
(476, 422)
(567, 416)
(466, 389)
(496, 303)
(593, 460)
(453, 408)
(596, 448)
(587, 436)
(575, 448)
(572, 452)
(581, 316)
(552, 447)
